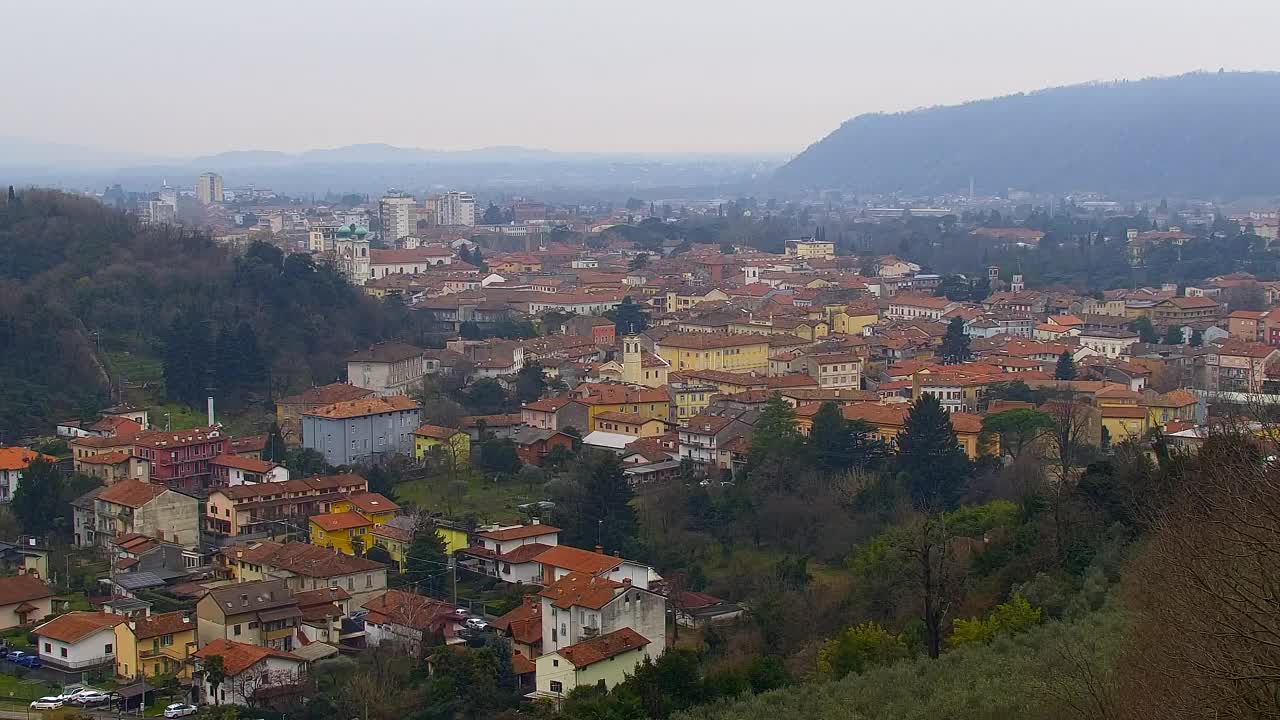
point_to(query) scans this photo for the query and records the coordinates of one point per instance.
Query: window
(555, 684)
(63, 652)
(166, 640)
(107, 649)
(368, 581)
(46, 648)
(253, 625)
(554, 635)
(351, 583)
(236, 631)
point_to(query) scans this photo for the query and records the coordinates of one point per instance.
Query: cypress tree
(1066, 369)
(930, 456)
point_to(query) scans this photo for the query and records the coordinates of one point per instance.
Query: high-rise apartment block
(209, 188)
(398, 215)
(457, 208)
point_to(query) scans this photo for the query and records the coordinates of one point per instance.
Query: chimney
(133, 625)
(210, 402)
(536, 521)
(599, 549)
(626, 582)
(617, 553)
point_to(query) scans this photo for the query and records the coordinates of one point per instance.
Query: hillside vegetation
(88, 294)
(1204, 133)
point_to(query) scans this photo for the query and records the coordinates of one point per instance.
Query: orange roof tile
(576, 560)
(238, 657)
(333, 522)
(519, 533)
(589, 652)
(131, 493)
(364, 406)
(16, 458)
(74, 626)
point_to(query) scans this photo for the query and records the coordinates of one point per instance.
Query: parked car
(476, 624)
(178, 710)
(461, 613)
(30, 661)
(71, 691)
(14, 656)
(46, 703)
(91, 698)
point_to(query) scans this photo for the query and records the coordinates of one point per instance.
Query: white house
(408, 262)
(232, 470)
(78, 641)
(510, 553)
(605, 661)
(409, 620)
(1108, 343)
(248, 669)
(580, 606)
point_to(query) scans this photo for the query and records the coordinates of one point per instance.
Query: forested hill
(1205, 134)
(80, 284)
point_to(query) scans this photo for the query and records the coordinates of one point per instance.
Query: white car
(73, 691)
(461, 613)
(178, 710)
(476, 624)
(90, 698)
(46, 703)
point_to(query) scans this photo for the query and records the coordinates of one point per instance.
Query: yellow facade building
(714, 351)
(454, 445)
(156, 645)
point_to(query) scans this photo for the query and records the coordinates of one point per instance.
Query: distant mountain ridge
(374, 167)
(1208, 134)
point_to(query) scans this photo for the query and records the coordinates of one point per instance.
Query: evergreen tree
(930, 456)
(600, 512)
(227, 362)
(775, 445)
(188, 349)
(275, 449)
(1173, 336)
(39, 496)
(253, 366)
(1066, 369)
(629, 318)
(1146, 331)
(426, 562)
(955, 345)
(830, 439)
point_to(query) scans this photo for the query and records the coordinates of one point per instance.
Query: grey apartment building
(367, 430)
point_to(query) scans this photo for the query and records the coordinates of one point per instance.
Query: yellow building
(853, 320)
(690, 399)
(350, 521)
(685, 298)
(395, 541)
(345, 531)
(455, 445)
(714, 351)
(630, 424)
(650, 403)
(1176, 405)
(156, 645)
(890, 420)
(1124, 422)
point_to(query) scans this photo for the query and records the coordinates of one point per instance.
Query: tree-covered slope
(80, 283)
(1210, 134)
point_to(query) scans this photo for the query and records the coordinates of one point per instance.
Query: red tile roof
(131, 493)
(363, 407)
(581, 589)
(238, 657)
(519, 533)
(16, 458)
(333, 522)
(575, 560)
(163, 624)
(21, 588)
(589, 652)
(74, 626)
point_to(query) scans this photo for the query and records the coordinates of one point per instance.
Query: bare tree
(1207, 626)
(1069, 442)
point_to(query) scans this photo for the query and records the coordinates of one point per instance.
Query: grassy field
(15, 689)
(489, 501)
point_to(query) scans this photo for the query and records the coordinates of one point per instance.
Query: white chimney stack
(210, 411)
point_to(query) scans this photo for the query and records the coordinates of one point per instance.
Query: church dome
(361, 232)
(344, 231)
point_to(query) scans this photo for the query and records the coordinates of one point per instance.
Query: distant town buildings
(209, 188)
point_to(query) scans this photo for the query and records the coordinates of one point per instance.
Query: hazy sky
(172, 77)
